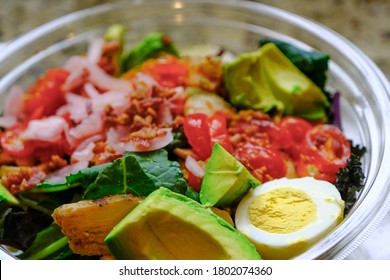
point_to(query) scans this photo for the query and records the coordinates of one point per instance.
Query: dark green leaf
(313, 64)
(48, 244)
(19, 228)
(139, 174)
(350, 180)
(86, 176)
(151, 47)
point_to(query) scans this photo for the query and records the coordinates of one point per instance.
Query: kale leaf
(350, 180)
(139, 174)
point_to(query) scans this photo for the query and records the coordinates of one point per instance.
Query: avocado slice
(7, 199)
(168, 225)
(267, 79)
(226, 180)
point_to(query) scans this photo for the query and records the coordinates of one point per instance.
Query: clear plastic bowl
(237, 26)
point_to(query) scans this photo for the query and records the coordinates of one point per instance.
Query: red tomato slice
(327, 148)
(307, 169)
(258, 127)
(293, 131)
(168, 71)
(266, 163)
(45, 96)
(13, 145)
(219, 133)
(194, 181)
(203, 132)
(197, 131)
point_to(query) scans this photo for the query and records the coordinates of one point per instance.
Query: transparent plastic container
(237, 26)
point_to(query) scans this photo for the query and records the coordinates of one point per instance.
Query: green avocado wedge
(226, 180)
(168, 225)
(6, 198)
(267, 80)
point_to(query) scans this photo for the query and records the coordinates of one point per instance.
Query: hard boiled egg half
(284, 217)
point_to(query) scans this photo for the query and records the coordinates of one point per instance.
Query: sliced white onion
(95, 50)
(14, 102)
(8, 121)
(164, 115)
(118, 100)
(90, 126)
(96, 75)
(194, 167)
(154, 144)
(74, 79)
(113, 137)
(91, 90)
(59, 176)
(77, 107)
(49, 129)
(84, 151)
(85, 154)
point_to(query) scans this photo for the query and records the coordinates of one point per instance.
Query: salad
(158, 153)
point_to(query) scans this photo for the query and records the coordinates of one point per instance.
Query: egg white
(329, 213)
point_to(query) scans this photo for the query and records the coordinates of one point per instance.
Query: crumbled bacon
(22, 179)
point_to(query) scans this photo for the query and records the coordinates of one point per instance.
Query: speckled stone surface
(366, 23)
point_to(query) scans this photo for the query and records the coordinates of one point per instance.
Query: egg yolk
(283, 210)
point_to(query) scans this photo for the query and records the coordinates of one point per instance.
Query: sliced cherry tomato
(195, 182)
(258, 127)
(327, 148)
(266, 163)
(219, 133)
(13, 144)
(203, 132)
(45, 96)
(293, 131)
(197, 131)
(303, 169)
(294, 128)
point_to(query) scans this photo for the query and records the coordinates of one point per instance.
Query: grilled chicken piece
(86, 223)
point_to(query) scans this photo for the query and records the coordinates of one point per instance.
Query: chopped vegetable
(266, 80)
(138, 174)
(152, 46)
(312, 63)
(350, 180)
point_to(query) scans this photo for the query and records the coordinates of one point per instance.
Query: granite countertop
(366, 23)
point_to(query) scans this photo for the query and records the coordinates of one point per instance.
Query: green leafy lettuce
(139, 174)
(151, 46)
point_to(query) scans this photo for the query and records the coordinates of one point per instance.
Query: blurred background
(366, 23)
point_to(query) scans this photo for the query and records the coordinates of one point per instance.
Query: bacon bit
(262, 174)
(104, 153)
(147, 139)
(22, 179)
(146, 133)
(183, 153)
(177, 122)
(55, 163)
(108, 61)
(99, 147)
